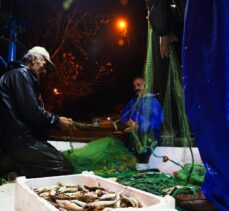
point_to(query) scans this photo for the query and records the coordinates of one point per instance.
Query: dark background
(127, 61)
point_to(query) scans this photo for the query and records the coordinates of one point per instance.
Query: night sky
(127, 61)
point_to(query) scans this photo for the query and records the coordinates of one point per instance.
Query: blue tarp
(206, 80)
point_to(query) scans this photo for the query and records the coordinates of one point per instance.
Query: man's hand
(118, 132)
(132, 125)
(164, 44)
(65, 123)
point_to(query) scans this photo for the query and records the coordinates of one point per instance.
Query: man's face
(138, 85)
(38, 66)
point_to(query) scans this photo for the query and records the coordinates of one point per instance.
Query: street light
(122, 26)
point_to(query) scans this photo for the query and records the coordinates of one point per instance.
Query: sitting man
(143, 117)
(25, 122)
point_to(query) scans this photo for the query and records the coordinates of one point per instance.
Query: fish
(118, 204)
(71, 186)
(101, 204)
(93, 188)
(85, 198)
(82, 188)
(80, 203)
(70, 196)
(108, 196)
(65, 189)
(100, 192)
(68, 205)
(79, 195)
(42, 190)
(91, 194)
(135, 202)
(53, 193)
(132, 201)
(45, 194)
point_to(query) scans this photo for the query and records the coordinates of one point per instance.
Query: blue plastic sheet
(206, 80)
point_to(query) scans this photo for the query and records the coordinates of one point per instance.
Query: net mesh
(173, 94)
(149, 65)
(162, 184)
(103, 155)
(110, 155)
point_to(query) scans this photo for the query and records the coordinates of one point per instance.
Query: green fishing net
(162, 184)
(108, 155)
(149, 64)
(197, 176)
(103, 155)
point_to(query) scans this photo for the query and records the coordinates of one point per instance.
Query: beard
(42, 71)
(137, 92)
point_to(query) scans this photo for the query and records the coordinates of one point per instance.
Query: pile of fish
(85, 198)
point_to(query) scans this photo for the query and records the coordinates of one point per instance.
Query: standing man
(167, 19)
(25, 122)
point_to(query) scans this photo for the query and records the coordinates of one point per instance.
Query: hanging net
(147, 112)
(163, 123)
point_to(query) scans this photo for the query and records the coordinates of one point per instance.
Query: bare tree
(67, 35)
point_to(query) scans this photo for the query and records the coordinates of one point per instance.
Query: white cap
(41, 51)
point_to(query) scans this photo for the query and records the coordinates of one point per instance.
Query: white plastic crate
(27, 200)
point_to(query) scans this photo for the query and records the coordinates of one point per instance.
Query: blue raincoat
(147, 112)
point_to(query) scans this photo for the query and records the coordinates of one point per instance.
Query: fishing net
(197, 176)
(163, 184)
(175, 125)
(157, 183)
(147, 110)
(103, 155)
(149, 65)
(109, 154)
(176, 185)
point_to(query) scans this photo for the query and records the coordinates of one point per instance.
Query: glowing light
(56, 91)
(108, 119)
(121, 42)
(122, 24)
